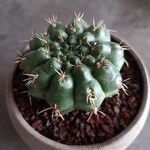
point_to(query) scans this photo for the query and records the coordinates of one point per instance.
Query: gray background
(18, 19)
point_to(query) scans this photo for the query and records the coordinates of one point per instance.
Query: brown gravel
(119, 111)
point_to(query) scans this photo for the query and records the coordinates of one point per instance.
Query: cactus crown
(73, 67)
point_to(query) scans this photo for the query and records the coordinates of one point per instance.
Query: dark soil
(119, 112)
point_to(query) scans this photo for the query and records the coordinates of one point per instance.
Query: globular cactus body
(73, 67)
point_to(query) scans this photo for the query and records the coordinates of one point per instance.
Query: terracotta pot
(121, 141)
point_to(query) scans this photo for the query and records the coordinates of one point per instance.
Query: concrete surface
(19, 17)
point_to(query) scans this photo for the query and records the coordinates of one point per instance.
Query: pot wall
(38, 142)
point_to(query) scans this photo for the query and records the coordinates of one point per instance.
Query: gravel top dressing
(115, 114)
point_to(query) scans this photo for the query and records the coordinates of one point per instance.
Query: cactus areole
(73, 67)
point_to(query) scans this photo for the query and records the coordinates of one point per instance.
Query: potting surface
(19, 18)
(79, 127)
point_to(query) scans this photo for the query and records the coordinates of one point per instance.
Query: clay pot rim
(47, 141)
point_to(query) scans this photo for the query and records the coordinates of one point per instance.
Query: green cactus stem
(73, 67)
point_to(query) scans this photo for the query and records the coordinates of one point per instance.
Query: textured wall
(19, 17)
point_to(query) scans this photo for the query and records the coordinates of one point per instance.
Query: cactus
(73, 67)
